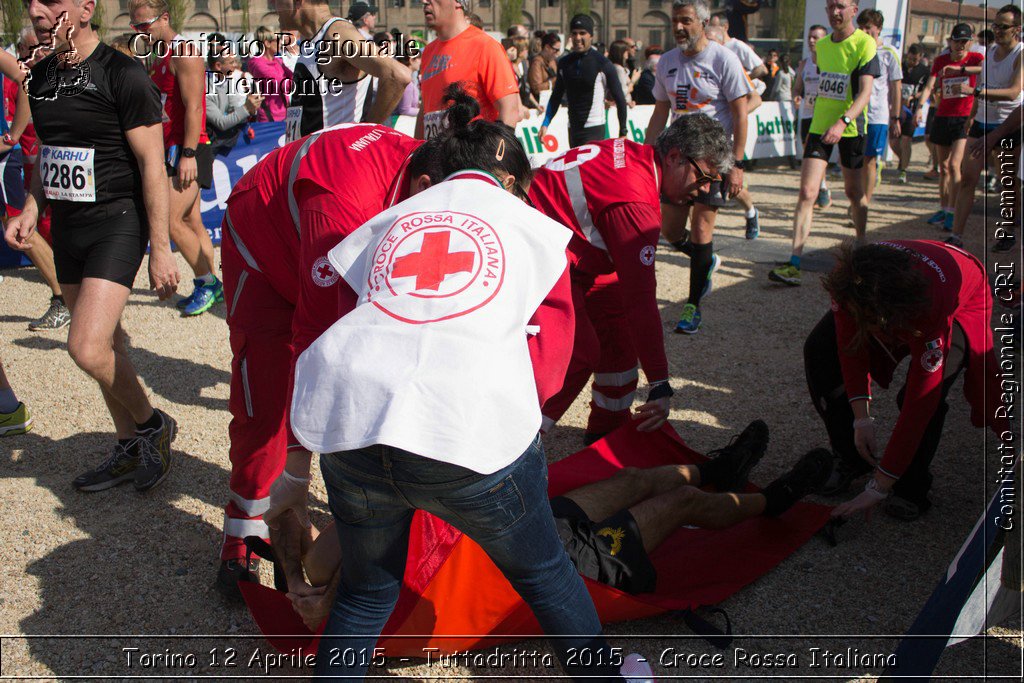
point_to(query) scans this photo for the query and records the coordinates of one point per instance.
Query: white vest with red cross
(434, 357)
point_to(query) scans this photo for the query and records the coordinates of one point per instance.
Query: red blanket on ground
(453, 594)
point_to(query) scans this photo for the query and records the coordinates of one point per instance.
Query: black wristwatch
(659, 390)
(977, 91)
(188, 152)
(846, 119)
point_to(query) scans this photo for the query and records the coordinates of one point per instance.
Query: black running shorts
(1008, 143)
(610, 552)
(109, 248)
(805, 128)
(851, 150)
(204, 166)
(948, 129)
(929, 122)
(582, 136)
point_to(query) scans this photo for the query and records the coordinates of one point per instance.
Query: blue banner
(227, 170)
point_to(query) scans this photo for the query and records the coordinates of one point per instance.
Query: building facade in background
(931, 21)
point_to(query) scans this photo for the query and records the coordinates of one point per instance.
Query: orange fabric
(475, 59)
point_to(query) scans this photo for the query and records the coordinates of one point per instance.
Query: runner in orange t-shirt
(464, 53)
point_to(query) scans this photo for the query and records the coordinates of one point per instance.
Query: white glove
(288, 493)
(864, 439)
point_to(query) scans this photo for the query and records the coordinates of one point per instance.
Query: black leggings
(825, 383)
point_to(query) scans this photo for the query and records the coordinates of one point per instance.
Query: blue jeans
(373, 493)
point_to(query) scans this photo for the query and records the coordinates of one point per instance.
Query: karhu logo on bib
(433, 266)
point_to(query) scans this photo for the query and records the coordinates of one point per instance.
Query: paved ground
(118, 563)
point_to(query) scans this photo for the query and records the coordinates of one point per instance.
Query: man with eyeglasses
(179, 72)
(997, 94)
(101, 170)
(610, 194)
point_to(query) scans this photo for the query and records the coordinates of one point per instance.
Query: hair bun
(462, 108)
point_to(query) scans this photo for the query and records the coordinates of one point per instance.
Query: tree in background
(791, 23)
(177, 12)
(14, 16)
(574, 7)
(99, 19)
(511, 12)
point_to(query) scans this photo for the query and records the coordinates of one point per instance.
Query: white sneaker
(636, 669)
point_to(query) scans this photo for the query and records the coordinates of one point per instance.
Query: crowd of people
(380, 287)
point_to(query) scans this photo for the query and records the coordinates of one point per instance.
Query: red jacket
(959, 293)
(608, 194)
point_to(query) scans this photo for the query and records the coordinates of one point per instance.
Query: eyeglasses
(1003, 27)
(143, 26)
(702, 175)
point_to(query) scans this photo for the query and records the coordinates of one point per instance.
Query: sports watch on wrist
(978, 90)
(188, 152)
(846, 119)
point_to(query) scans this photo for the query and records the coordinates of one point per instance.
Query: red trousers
(260, 331)
(603, 346)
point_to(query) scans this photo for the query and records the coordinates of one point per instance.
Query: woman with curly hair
(890, 300)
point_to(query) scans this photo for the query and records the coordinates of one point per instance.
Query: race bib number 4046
(834, 86)
(68, 173)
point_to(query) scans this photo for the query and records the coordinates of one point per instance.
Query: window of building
(485, 3)
(551, 3)
(924, 26)
(654, 37)
(620, 33)
(398, 3)
(621, 4)
(654, 4)
(200, 5)
(122, 5)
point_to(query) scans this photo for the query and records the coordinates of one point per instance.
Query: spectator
(475, 20)
(737, 14)
(643, 91)
(289, 48)
(536, 43)
(631, 55)
(270, 77)
(517, 58)
(123, 43)
(409, 105)
(544, 66)
(225, 119)
(771, 64)
(385, 43)
(784, 80)
(364, 17)
(216, 43)
(618, 52)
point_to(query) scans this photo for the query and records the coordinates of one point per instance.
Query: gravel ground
(118, 562)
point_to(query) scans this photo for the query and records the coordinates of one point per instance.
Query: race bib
(293, 124)
(834, 86)
(949, 92)
(67, 173)
(810, 100)
(433, 124)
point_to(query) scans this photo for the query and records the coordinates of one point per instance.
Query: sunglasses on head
(702, 175)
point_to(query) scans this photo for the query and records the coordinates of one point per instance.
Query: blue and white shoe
(689, 322)
(938, 217)
(753, 226)
(203, 297)
(185, 301)
(715, 263)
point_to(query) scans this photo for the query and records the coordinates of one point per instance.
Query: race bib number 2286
(67, 173)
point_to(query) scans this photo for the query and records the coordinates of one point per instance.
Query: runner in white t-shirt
(884, 106)
(753, 64)
(805, 91)
(700, 76)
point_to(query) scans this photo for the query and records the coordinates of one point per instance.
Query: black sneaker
(56, 317)
(231, 572)
(729, 467)
(1005, 243)
(116, 469)
(154, 449)
(807, 476)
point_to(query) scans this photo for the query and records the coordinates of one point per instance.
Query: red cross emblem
(433, 263)
(574, 157)
(324, 274)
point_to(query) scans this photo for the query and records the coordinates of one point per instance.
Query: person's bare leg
(96, 344)
(954, 160)
(661, 516)
(853, 181)
(745, 200)
(195, 222)
(812, 172)
(41, 256)
(629, 486)
(673, 221)
(905, 151)
(181, 202)
(970, 172)
(870, 178)
(933, 155)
